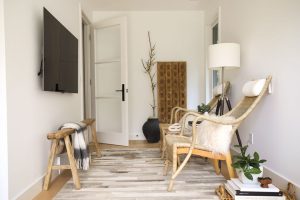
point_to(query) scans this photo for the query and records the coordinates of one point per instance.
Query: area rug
(136, 174)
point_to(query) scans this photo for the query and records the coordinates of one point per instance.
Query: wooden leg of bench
(72, 163)
(95, 141)
(50, 164)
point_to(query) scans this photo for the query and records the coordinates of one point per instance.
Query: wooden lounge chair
(178, 112)
(178, 144)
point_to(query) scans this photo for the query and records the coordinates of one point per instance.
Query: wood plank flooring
(136, 174)
(62, 179)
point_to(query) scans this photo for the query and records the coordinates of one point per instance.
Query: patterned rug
(136, 174)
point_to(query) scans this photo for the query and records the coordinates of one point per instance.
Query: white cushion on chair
(215, 137)
(253, 88)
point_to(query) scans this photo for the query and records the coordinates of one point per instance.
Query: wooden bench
(64, 134)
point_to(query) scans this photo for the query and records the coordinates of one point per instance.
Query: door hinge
(90, 81)
(90, 37)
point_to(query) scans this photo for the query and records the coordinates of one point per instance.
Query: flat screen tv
(60, 57)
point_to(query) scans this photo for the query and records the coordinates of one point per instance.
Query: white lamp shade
(224, 55)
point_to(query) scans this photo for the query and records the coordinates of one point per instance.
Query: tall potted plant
(248, 167)
(151, 126)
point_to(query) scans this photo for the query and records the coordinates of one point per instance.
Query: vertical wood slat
(161, 91)
(171, 88)
(182, 84)
(168, 76)
(175, 85)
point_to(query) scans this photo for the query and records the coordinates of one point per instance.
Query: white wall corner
(80, 63)
(3, 113)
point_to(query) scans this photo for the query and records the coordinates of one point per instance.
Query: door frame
(209, 31)
(86, 65)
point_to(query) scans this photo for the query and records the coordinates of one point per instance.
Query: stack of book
(240, 191)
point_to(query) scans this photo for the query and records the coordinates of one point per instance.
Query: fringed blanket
(81, 151)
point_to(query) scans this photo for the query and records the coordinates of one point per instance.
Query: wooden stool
(64, 134)
(92, 125)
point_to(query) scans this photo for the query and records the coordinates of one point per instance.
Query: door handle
(123, 92)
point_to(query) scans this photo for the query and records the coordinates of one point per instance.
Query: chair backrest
(247, 104)
(239, 112)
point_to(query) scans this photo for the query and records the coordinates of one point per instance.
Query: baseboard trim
(34, 189)
(278, 179)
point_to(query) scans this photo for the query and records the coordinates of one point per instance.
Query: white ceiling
(110, 5)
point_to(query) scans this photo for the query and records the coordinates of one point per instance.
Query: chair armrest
(217, 120)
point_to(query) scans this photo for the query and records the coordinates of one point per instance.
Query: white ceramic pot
(245, 180)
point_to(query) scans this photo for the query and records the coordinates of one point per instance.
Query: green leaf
(248, 157)
(248, 175)
(243, 164)
(238, 157)
(254, 171)
(262, 161)
(236, 165)
(255, 165)
(256, 156)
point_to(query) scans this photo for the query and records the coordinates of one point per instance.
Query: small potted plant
(203, 108)
(248, 167)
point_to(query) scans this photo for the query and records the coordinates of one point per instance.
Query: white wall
(32, 113)
(179, 36)
(268, 32)
(3, 113)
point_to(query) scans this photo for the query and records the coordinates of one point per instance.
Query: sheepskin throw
(81, 151)
(215, 137)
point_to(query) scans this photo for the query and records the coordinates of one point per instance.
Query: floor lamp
(224, 56)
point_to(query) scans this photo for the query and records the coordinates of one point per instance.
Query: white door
(111, 86)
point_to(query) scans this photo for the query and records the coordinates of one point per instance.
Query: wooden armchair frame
(239, 112)
(176, 115)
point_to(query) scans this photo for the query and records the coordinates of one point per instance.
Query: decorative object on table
(241, 191)
(171, 89)
(248, 167)
(222, 193)
(203, 108)
(224, 55)
(175, 127)
(151, 126)
(290, 192)
(264, 181)
(177, 145)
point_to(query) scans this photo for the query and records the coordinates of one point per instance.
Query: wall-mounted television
(60, 57)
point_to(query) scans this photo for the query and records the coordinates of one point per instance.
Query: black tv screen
(60, 61)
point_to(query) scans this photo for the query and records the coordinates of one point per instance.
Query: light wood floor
(60, 181)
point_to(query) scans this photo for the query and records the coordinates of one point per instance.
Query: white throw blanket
(81, 151)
